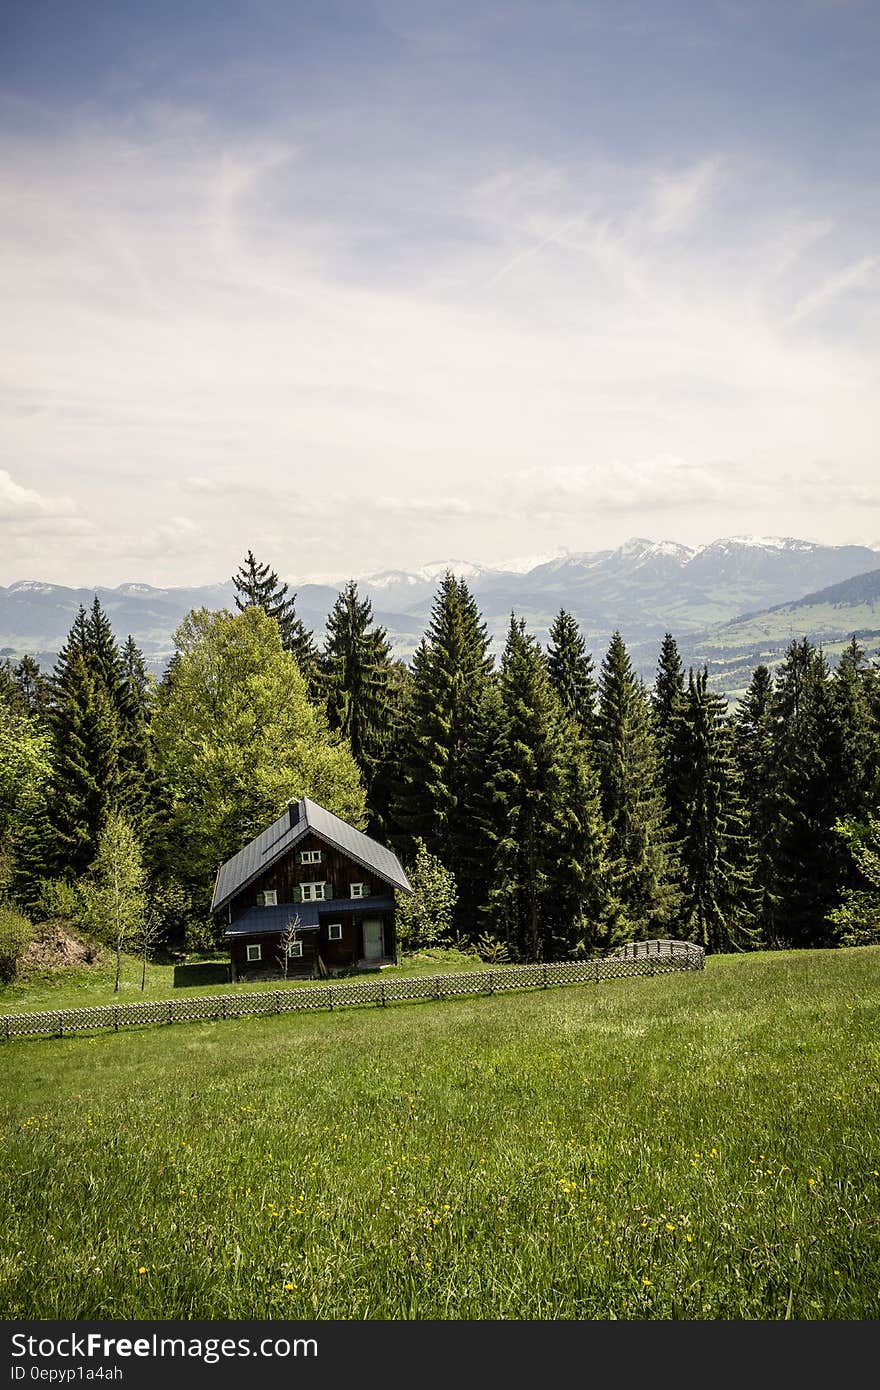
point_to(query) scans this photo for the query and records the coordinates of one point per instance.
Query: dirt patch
(56, 946)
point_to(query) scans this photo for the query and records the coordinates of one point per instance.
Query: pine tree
(103, 657)
(632, 800)
(140, 795)
(450, 669)
(717, 897)
(808, 857)
(551, 887)
(856, 753)
(667, 702)
(356, 679)
(485, 790)
(85, 783)
(258, 586)
(34, 686)
(572, 672)
(753, 742)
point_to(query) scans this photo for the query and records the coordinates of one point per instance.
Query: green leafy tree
(572, 672)
(258, 586)
(426, 918)
(632, 799)
(25, 772)
(856, 918)
(16, 934)
(114, 891)
(236, 739)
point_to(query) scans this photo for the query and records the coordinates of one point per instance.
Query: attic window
(313, 892)
(334, 931)
(360, 890)
(254, 953)
(310, 856)
(268, 899)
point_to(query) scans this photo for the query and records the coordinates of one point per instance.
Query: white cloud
(348, 358)
(26, 508)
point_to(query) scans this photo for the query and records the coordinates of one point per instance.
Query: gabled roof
(302, 818)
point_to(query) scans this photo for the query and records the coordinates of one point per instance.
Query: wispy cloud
(506, 354)
(850, 278)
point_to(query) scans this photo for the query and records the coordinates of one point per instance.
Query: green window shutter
(297, 893)
(328, 889)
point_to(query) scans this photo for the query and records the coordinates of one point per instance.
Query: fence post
(116, 1020)
(60, 1023)
(382, 991)
(545, 974)
(169, 1010)
(650, 965)
(491, 981)
(8, 1033)
(330, 997)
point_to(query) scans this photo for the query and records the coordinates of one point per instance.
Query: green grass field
(686, 1146)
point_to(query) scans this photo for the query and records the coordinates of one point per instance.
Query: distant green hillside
(829, 617)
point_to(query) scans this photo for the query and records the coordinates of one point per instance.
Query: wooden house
(313, 870)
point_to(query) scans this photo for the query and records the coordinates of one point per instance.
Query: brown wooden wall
(335, 867)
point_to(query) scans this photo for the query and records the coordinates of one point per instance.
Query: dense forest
(545, 807)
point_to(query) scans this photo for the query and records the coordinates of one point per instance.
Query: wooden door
(374, 938)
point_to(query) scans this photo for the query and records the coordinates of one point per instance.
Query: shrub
(492, 949)
(16, 933)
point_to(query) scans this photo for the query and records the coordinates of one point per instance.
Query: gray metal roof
(302, 818)
(259, 921)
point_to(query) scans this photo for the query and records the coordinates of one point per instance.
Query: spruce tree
(552, 886)
(572, 671)
(34, 686)
(667, 700)
(856, 735)
(86, 781)
(632, 800)
(753, 742)
(808, 856)
(715, 863)
(450, 669)
(258, 586)
(485, 797)
(356, 679)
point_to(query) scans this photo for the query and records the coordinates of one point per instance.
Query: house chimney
(293, 812)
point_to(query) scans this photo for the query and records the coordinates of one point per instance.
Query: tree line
(551, 807)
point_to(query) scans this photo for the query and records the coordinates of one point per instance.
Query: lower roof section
(260, 921)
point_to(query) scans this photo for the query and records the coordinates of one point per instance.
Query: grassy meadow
(685, 1146)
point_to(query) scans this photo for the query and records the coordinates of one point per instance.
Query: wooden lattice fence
(350, 993)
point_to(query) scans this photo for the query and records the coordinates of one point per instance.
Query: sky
(366, 284)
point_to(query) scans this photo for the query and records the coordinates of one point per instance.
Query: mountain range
(736, 600)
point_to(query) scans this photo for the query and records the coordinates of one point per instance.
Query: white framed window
(310, 856)
(334, 931)
(254, 953)
(268, 899)
(295, 948)
(360, 890)
(313, 892)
